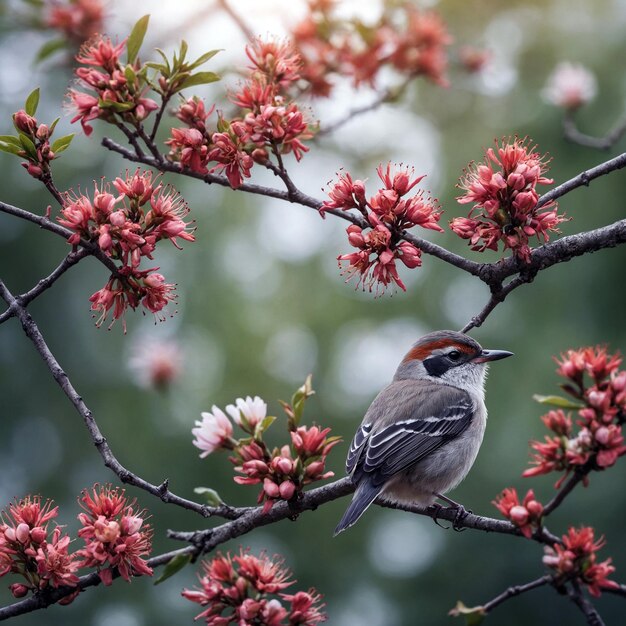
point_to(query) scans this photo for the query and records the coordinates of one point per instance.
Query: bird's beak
(491, 355)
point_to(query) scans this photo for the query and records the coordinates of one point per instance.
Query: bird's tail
(364, 495)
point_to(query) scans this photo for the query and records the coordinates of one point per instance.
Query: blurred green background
(262, 304)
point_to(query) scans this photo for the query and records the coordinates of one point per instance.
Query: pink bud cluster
(77, 20)
(598, 441)
(127, 228)
(333, 46)
(576, 559)
(503, 190)
(284, 471)
(39, 153)
(268, 121)
(526, 515)
(245, 589)
(387, 214)
(113, 91)
(115, 534)
(31, 548)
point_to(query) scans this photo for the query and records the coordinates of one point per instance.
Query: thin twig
(571, 133)
(388, 95)
(516, 590)
(160, 491)
(45, 283)
(57, 229)
(576, 595)
(247, 32)
(565, 490)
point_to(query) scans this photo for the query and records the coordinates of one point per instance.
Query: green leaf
(562, 403)
(129, 74)
(203, 59)
(165, 61)
(474, 615)
(10, 139)
(62, 143)
(118, 107)
(135, 39)
(28, 145)
(54, 125)
(10, 148)
(201, 78)
(183, 52)
(30, 106)
(263, 425)
(210, 495)
(49, 48)
(173, 567)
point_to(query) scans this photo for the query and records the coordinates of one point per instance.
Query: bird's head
(449, 357)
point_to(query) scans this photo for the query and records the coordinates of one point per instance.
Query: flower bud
(602, 435)
(18, 590)
(22, 533)
(38, 534)
(271, 488)
(534, 508)
(283, 465)
(518, 515)
(24, 122)
(287, 489)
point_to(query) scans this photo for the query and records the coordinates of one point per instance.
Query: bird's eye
(454, 355)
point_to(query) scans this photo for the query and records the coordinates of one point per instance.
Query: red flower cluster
(34, 144)
(503, 190)
(78, 20)
(115, 534)
(599, 440)
(388, 214)
(576, 559)
(114, 91)
(526, 515)
(238, 590)
(268, 122)
(333, 46)
(30, 548)
(284, 471)
(127, 228)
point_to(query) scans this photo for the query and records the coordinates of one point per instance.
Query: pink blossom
(570, 86)
(247, 413)
(233, 160)
(276, 60)
(78, 19)
(213, 432)
(156, 363)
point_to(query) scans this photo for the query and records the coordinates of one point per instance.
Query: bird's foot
(434, 510)
(461, 512)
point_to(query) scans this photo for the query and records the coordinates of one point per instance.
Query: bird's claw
(461, 514)
(434, 510)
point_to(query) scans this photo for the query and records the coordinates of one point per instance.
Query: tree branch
(516, 590)
(160, 491)
(571, 133)
(575, 594)
(45, 283)
(57, 229)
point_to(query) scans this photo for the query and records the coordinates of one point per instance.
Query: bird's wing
(405, 423)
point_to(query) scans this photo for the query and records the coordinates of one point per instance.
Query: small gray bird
(421, 434)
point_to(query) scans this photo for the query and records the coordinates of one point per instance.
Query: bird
(421, 434)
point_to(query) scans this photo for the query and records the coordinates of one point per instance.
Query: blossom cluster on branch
(282, 471)
(595, 440)
(503, 190)
(245, 589)
(388, 213)
(113, 91)
(268, 121)
(127, 228)
(76, 20)
(411, 41)
(115, 534)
